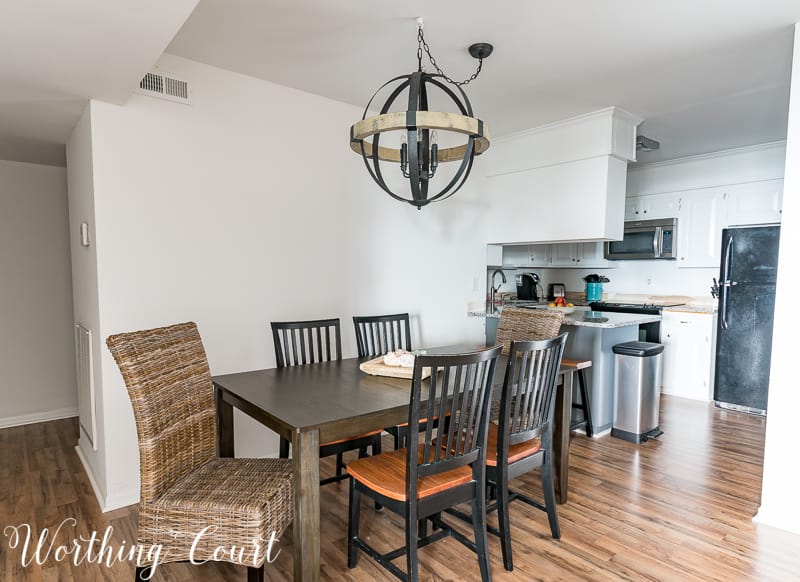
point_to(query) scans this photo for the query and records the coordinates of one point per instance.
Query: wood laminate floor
(679, 508)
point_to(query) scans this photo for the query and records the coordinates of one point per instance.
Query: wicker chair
(185, 487)
(520, 324)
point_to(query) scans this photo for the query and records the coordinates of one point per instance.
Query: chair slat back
(459, 387)
(169, 384)
(377, 335)
(306, 342)
(520, 324)
(527, 401)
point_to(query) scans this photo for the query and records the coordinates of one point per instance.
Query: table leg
(562, 419)
(305, 463)
(225, 443)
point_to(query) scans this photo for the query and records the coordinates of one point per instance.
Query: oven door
(637, 243)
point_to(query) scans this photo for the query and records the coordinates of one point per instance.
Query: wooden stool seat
(579, 366)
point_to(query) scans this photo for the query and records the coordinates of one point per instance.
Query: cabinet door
(700, 221)
(755, 203)
(592, 255)
(659, 206)
(539, 255)
(565, 254)
(515, 256)
(633, 208)
(687, 339)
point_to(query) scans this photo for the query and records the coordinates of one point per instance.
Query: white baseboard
(35, 417)
(101, 500)
(111, 502)
(781, 520)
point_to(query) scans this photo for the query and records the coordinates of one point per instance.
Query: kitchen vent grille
(165, 87)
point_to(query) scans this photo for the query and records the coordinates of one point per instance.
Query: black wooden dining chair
(377, 335)
(522, 439)
(299, 343)
(436, 471)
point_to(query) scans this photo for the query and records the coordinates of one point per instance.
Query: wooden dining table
(326, 401)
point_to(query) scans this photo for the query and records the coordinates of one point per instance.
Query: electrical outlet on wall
(649, 279)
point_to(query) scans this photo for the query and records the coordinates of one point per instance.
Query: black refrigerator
(748, 270)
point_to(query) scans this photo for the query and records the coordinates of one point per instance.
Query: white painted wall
(86, 307)
(37, 349)
(247, 207)
(780, 505)
(738, 166)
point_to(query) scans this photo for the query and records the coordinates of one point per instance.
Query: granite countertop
(607, 320)
(581, 318)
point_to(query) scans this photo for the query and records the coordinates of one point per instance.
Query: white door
(755, 203)
(701, 218)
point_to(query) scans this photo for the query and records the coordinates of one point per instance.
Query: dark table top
(322, 395)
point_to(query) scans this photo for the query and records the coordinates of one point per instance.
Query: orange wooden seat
(386, 474)
(515, 452)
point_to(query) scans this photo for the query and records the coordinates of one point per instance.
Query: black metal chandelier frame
(419, 155)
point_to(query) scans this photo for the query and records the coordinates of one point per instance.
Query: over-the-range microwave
(645, 239)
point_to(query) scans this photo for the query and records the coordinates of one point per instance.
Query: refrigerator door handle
(726, 283)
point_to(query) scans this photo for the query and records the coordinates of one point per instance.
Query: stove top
(646, 308)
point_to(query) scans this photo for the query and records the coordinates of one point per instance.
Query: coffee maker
(527, 285)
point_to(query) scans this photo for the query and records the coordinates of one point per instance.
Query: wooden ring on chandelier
(397, 121)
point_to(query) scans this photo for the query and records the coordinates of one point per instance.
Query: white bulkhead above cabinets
(562, 182)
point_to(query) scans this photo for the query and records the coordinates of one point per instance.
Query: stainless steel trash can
(637, 387)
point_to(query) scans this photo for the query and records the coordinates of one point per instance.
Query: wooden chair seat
(576, 364)
(516, 452)
(344, 440)
(386, 474)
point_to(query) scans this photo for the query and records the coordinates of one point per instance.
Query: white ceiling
(56, 55)
(705, 74)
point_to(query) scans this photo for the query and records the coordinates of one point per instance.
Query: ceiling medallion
(419, 154)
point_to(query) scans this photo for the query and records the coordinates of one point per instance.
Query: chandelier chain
(424, 45)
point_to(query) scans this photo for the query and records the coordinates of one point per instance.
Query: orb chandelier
(419, 154)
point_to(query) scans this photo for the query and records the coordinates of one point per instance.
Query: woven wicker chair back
(169, 384)
(519, 324)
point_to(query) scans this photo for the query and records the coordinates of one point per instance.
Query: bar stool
(579, 366)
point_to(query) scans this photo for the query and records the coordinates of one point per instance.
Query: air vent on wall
(165, 87)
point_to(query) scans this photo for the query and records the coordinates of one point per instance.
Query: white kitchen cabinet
(515, 256)
(688, 348)
(754, 203)
(566, 254)
(593, 255)
(539, 255)
(701, 218)
(587, 254)
(652, 206)
(526, 255)
(580, 255)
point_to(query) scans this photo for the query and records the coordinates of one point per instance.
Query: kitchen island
(592, 334)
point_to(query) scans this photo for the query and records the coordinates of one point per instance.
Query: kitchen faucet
(494, 290)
